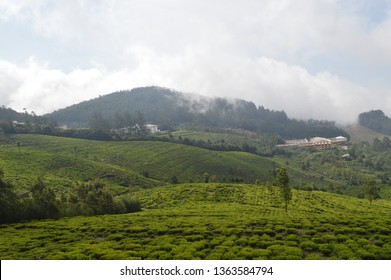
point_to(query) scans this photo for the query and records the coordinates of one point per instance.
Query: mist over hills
(172, 110)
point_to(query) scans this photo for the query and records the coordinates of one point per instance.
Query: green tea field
(128, 163)
(213, 221)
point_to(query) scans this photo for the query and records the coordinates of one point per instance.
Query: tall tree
(283, 183)
(371, 191)
(44, 201)
(8, 201)
(99, 123)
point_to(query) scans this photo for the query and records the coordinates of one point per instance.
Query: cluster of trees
(376, 120)
(106, 115)
(267, 149)
(381, 145)
(25, 122)
(86, 199)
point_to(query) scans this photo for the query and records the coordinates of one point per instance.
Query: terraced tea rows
(208, 221)
(62, 160)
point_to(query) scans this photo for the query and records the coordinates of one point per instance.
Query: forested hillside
(376, 120)
(171, 110)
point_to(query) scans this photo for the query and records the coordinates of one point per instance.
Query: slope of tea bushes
(213, 221)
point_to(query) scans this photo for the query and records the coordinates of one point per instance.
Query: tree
(8, 202)
(44, 201)
(99, 123)
(206, 177)
(174, 179)
(371, 191)
(283, 183)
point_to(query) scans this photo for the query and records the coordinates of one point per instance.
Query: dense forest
(376, 120)
(172, 110)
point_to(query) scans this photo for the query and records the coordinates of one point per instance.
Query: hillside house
(152, 128)
(18, 124)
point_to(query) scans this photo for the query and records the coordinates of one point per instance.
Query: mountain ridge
(173, 110)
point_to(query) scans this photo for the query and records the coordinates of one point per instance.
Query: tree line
(171, 109)
(376, 120)
(85, 199)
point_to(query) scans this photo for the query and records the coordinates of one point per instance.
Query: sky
(323, 59)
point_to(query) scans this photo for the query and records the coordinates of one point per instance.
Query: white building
(339, 139)
(152, 128)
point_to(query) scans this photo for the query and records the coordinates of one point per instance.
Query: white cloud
(273, 84)
(249, 49)
(36, 87)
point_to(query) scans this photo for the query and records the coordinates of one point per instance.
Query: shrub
(292, 231)
(292, 237)
(328, 238)
(280, 229)
(280, 252)
(313, 257)
(262, 254)
(326, 249)
(341, 238)
(365, 255)
(342, 251)
(246, 253)
(309, 246)
(310, 232)
(130, 205)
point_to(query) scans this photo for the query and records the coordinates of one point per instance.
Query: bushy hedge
(86, 199)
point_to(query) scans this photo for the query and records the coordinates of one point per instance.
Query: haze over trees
(376, 120)
(171, 110)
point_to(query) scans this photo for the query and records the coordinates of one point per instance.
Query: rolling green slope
(359, 133)
(213, 221)
(62, 160)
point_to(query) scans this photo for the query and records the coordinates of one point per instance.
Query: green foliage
(44, 204)
(283, 182)
(171, 109)
(121, 163)
(9, 205)
(174, 179)
(206, 177)
(211, 221)
(87, 199)
(371, 191)
(376, 120)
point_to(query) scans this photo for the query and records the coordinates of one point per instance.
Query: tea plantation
(213, 221)
(121, 164)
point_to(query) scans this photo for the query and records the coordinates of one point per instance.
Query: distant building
(18, 124)
(152, 128)
(317, 140)
(319, 143)
(339, 139)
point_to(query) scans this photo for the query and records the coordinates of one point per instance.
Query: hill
(213, 221)
(121, 165)
(8, 115)
(126, 166)
(172, 110)
(359, 133)
(376, 120)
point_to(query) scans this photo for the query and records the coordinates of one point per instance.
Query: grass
(63, 160)
(192, 220)
(213, 221)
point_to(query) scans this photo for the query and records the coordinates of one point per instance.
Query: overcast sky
(323, 59)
